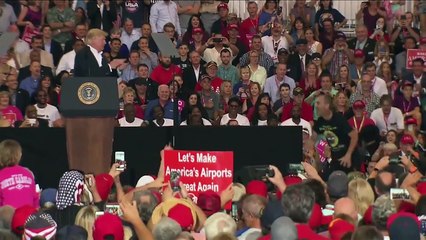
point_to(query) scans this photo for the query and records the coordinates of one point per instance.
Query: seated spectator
(306, 109)
(18, 97)
(9, 112)
(163, 100)
(298, 29)
(159, 120)
(194, 23)
(343, 81)
(37, 44)
(130, 34)
(62, 20)
(342, 105)
(130, 119)
(265, 60)
(51, 46)
(209, 98)
(234, 104)
(128, 97)
(263, 98)
(385, 72)
(417, 77)
(163, 73)
(242, 88)
(194, 100)
(45, 110)
(145, 88)
(67, 60)
(296, 120)
(52, 93)
(226, 70)
(272, 83)
(262, 112)
(114, 52)
(31, 119)
(216, 82)
(225, 95)
(284, 100)
(195, 118)
(25, 72)
(130, 70)
(387, 117)
(18, 185)
(171, 33)
(31, 83)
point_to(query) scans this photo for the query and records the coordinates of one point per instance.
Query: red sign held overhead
(413, 54)
(200, 170)
(29, 33)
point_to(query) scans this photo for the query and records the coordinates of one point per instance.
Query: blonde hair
(245, 68)
(361, 193)
(85, 218)
(127, 90)
(10, 153)
(93, 33)
(219, 223)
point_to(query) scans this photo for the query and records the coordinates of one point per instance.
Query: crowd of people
(360, 105)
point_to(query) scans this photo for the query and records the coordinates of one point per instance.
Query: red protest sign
(200, 170)
(413, 54)
(29, 33)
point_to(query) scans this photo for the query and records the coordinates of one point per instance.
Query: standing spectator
(267, 15)
(380, 31)
(102, 14)
(146, 32)
(298, 61)
(301, 10)
(265, 60)
(339, 55)
(30, 84)
(363, 42)
(80, 32)
(257, 73)
(402, 31)
(163, 73)
(218, 42)
(366, 94)
(226, 70)
(130, 34)
(401, 58)
(327, 11)
(369, 13)
(36, 45)
(328, 35)
(80, 15)
(163, 12)
(193, 73)
(67, 60)
(234, 104)
(360, 119)
(417, 77)
(271, 44)
(385, 72)
(14, 191)
(250, 26)
(296, 120)
(387, 117)
(209, 13)
(298, 29)
(137, 11)
(313, 45)
(209, 98)
(114, 49)
(7, 18)
(237, 40)
(340, 136)
(221, 25)
(131, 70)
(187, 9)
(272, 83)
(198, 43)
(18, 97)
(51, 46)
(326, 81)
(62, 20)
(30, 15)
(45, 110)
(408, 104)
(128, 97)
(146, 55)
(379, 85)
(343, 81)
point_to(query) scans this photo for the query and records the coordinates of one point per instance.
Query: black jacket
(107, 18)
(189, 78)
(368, 49)
(294, 68)
(85, 65)
(56, 51)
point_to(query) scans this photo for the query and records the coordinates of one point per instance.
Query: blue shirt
(29, 84)
(272, 87)
(168, 110)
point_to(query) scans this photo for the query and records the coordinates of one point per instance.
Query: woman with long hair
(311, 82)
(80, 16)
(314, 46)
(31, 15)
(195, 118)
(254, 93)
(360, 191)
(193, 100)
(380, 32)
(263, 98)
(342, 105)
(194, 22)
(52, 95)
(343, 81)
(391, 79)
(85, 218)
(262, 112)
(298, 29)
(300, 10)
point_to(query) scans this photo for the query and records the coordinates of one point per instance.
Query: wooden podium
(89, 105)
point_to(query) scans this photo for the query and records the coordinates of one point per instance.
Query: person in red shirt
(250, 26)
(360, 119)
(307, 111)
(211, 69)
(163, 73)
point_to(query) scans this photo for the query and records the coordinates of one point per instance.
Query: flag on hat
(40, 224)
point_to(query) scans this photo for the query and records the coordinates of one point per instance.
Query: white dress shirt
(98, 55)
(128, 39)
(162, 13)
(66, 63)
(378, 85)
(395, 120)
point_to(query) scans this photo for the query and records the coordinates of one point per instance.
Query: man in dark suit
(102, 14)
(80, 31)
(18, 97)
(50, 45)
(89, 61)
(362, 41)
(192, 74)
(25, 71)
(298, 61)
(417, 77)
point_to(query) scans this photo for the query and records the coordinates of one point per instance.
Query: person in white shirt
(273, 83)
(163, 12)
(213, 54)
(234, 104)
(67, 60)
(378, 84)
(195, 118)
(271, 44)
(129, 34)
(129, 119)
(159, 120)
(45, 110)
(388, 117)
(296, 120)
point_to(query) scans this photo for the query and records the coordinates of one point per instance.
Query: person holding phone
(402, 30)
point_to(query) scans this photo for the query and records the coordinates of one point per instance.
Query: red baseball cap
(257, 187)
(182, 215)
(407, 139)
(339, 227)
(104, 184)
(209, 202)
(222, 5)
(291, 180)
(359, 53)
(20, 217)
(358, 104)
(108, 224)
(197, 30)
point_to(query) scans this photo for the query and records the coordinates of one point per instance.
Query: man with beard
(163, 73)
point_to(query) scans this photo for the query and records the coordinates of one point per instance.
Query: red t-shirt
(305, 232)
(249, 28)
(216, 82)
(307, 112)
(164, 76)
